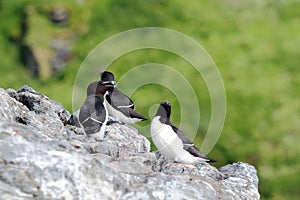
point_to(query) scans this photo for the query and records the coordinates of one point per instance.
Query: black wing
(92, 114)
(181, 135)
(134, 114)
(188, 144)
(119, 100)
(123, 103)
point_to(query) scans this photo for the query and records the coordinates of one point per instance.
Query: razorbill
(93, 115)
(91, 90)
(119, 105)
(171, 141)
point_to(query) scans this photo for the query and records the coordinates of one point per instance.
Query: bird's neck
(164, 120)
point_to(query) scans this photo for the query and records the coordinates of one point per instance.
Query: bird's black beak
(110, 83)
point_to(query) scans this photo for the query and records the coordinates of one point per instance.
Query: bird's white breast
(166, 140)
(168, 143)
(101, 133)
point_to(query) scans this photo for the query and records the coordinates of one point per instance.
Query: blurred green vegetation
(255, 44)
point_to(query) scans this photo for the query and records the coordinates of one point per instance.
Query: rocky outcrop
(42, 157)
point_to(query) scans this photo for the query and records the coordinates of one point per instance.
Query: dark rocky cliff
(41, 157)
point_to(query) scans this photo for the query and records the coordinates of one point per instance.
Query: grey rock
(42, 157)
(59, 15)
(244, 175)
(36, 111)
(62, 53)
(120, 140)
(51, 169)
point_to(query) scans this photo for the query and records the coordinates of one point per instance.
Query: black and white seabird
(171, 141)
(119, 105)
(92, 115)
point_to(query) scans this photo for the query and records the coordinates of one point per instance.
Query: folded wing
(92, 114)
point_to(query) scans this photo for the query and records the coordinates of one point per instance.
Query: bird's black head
(97, 88)
(107, 76)
(164, 110)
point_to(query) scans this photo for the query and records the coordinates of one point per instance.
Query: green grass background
(255, 44)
